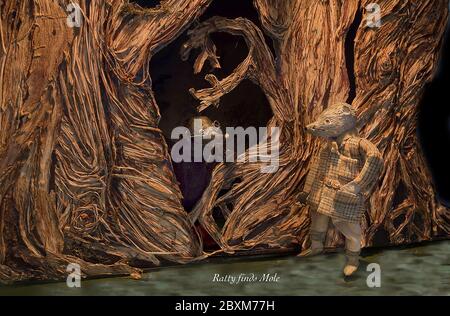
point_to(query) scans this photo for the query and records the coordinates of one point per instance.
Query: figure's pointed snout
(311, 127)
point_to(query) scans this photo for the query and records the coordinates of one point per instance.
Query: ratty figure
(339, 181)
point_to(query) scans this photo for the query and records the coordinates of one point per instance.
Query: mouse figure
(339, 181)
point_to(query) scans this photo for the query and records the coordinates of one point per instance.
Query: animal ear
(347, 108)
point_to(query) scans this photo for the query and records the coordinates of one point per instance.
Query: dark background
(172, 78)
(434, 123)
(247, 105)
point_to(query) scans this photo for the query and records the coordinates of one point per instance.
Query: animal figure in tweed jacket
(340, 180)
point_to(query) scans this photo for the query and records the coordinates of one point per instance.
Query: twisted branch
(258, 66)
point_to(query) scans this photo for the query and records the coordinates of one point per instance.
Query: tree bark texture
(308, 72)
(85, 173)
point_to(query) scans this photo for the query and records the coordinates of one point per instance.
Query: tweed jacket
(357, 161)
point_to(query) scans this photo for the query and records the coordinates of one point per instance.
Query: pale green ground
(421, 270)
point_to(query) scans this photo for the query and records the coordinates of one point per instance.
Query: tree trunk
(310, 71)
(85, 173)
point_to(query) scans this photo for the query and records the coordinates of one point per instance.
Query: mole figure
(339, 181)
(201, 171)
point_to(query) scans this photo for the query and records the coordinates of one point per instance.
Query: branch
(275, 16)
(258, 66)
(137, 32)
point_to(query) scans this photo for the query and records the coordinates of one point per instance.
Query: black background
(434, 123)
(166, 305)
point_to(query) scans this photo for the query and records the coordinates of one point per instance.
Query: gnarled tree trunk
(85, 174)
(311, 70)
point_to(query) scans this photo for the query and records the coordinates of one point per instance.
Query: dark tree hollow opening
(246, 106)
